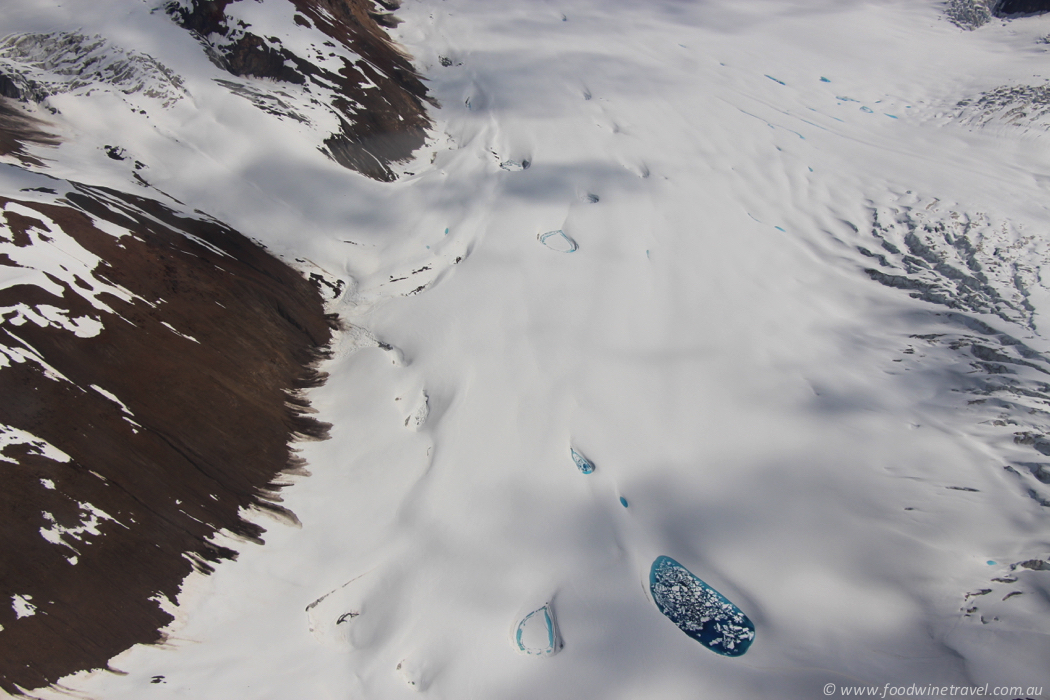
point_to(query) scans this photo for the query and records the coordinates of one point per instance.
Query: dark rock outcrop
(1006, 8)
(17, 129)
(126, 445)
(378, 125)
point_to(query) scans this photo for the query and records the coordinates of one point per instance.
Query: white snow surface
(713, 345)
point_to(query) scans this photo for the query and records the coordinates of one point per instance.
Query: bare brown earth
(208, 432)
(377, 127)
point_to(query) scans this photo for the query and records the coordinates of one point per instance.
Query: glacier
(801, 330)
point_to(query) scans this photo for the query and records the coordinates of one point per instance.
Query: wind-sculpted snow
(699, 610)
(34, 67)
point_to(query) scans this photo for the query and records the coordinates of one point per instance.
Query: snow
(64, 536)
(48, 64)
(10, 435)
(22, 606)
(817, 447)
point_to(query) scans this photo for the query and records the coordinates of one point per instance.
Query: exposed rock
(971, 14)
(149, 391)
(377, 98)
(18, 129)
(1021, 7)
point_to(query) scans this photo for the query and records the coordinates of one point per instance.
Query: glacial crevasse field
(775, 271)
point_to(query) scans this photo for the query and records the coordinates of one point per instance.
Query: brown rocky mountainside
(149, 368)
(377, 126)
(17, 129)
(152, 358)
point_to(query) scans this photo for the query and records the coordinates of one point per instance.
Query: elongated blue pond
(585, 465)
(699, 610)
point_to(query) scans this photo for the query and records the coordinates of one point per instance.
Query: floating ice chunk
(586, 466)
(699, 610)
(537, 634)
(559, 241)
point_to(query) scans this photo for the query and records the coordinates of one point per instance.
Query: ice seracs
(35, 66)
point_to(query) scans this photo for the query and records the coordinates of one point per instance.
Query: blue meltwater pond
(537, 634)
(585, 465)
(699, 610)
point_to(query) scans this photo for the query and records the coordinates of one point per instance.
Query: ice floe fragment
(586, 466)
(537, 633)
(558, 241)
(699, 610)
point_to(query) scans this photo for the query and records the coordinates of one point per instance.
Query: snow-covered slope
(792, 309)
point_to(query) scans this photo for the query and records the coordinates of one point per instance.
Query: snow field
(713, 345)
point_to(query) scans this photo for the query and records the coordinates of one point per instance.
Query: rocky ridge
(351, 75)
(152, 358)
